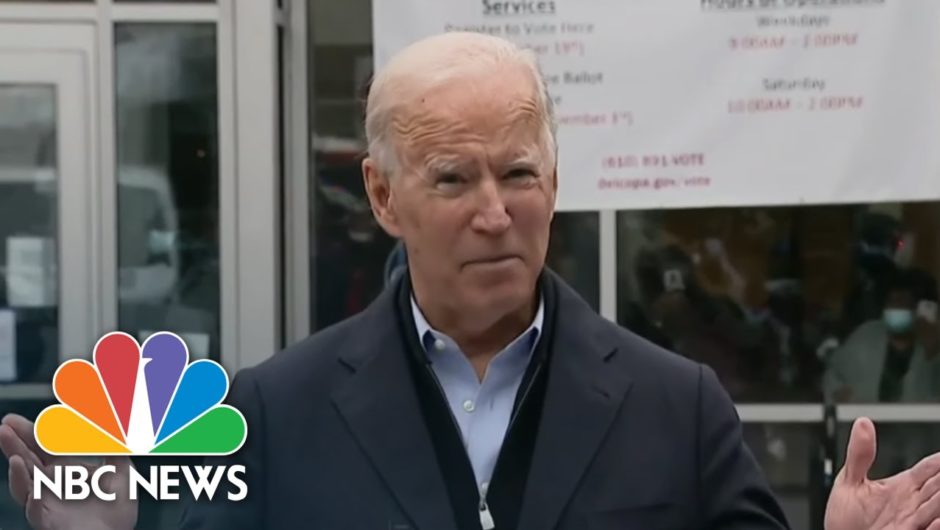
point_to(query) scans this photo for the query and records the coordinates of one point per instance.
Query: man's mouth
(492, 260)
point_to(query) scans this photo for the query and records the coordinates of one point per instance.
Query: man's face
(474, 195)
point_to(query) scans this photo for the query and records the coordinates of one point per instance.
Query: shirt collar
(426, 333)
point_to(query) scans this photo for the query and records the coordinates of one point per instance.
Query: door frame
(249, 167)
(61, 55)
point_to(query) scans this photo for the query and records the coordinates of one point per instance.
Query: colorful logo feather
(140, 400)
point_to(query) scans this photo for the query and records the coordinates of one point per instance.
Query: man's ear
(379, 189)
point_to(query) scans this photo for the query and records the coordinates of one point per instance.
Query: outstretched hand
(49, 513)
(909, 500)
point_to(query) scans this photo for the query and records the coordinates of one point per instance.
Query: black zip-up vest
(507, 486)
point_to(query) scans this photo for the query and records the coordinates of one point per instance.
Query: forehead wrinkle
(525, 129)
(414, 128)
(474, 106)
(443, 147)
(443, 162)
(527, 154)
(524, 109)
(506, 128)
(429, 137)
(522, 117)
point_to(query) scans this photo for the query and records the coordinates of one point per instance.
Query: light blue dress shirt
(482, 409)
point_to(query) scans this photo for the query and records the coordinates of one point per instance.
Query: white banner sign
(684, 103)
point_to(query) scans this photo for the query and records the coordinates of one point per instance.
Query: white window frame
(60, 57)
(249, 224)
(298, 226)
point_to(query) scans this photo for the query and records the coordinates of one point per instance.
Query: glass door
(49, 307)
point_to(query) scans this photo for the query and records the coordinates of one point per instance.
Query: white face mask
(898, 320)
(904, 255)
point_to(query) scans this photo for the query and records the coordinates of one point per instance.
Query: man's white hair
(434, 61)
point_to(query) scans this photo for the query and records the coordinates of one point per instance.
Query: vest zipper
(486, 517)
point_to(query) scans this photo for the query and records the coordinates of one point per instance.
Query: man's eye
(520, 172)
(448, 178)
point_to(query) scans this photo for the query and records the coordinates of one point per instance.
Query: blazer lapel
(585, 390)
(380, 404)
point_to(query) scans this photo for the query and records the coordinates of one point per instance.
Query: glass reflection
(791, 304)
(574, 253)
(789, 455)
(29, 216)
(168, 181)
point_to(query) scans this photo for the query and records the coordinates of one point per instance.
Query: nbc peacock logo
(140, 400)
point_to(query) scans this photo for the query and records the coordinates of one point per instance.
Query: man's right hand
(50, 513)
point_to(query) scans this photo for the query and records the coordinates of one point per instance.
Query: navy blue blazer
(631, 437)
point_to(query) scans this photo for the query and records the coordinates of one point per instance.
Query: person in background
(875, 256)
(894, 358)
(700, 326)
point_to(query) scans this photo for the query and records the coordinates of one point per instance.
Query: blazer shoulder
(640, 358)
(311, 361)
(653, 364)
(645, 351)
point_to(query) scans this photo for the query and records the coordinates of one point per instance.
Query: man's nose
(491, 216)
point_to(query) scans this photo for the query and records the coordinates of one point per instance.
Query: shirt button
(469, 406)
(439, 344)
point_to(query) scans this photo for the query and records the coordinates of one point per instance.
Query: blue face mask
(898, 320)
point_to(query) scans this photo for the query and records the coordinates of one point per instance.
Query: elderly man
(480, 391)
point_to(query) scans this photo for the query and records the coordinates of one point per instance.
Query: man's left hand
(907, 501)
